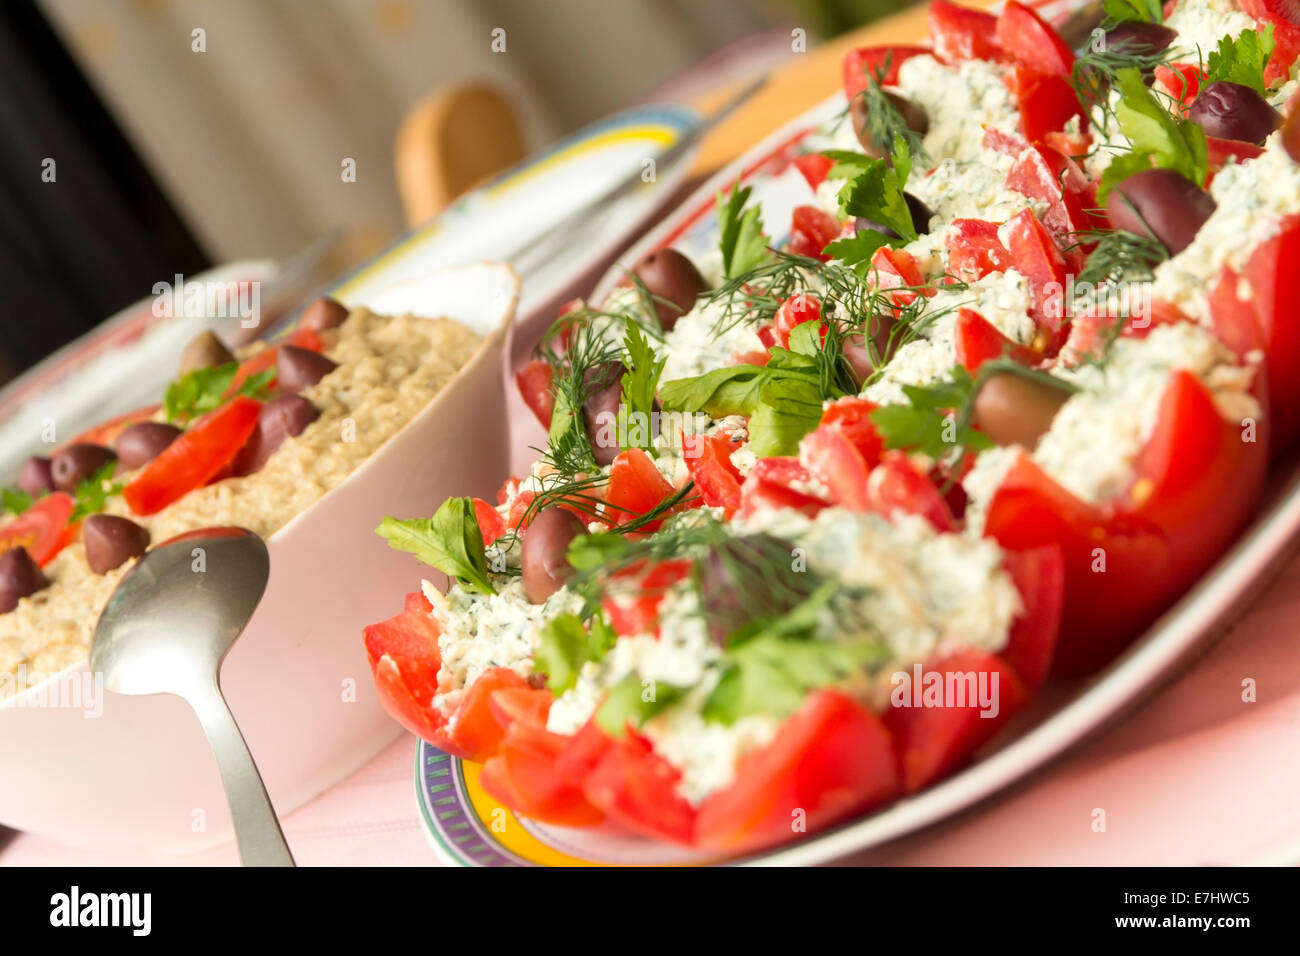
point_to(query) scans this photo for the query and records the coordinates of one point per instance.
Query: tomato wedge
(41, 528)
(930, 741)
(1195, 486)
(193, 458)
(830, 759)
(265, 359)
(717, 479)
(634, 786)
(959, 33)
(524, 774)
(636, 487)
(974, 249)
(977, 340)
(534, 381)
(1027, 39)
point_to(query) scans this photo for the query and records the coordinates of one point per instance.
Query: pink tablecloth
(1195, 776)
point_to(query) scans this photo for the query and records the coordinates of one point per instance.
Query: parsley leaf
(450, 541)
(634, 701)
(787, 410)
(744, 247)
(14, 501)
(94, 491)
(204, 389)
(567, 644)
(876, 192)
(1242, 60)
(773, 673)
(1142, 11)
(1158, 137)
(639, 384)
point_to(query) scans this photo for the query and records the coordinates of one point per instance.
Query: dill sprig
(884, 119)
(1097, 70)
(1118, 257)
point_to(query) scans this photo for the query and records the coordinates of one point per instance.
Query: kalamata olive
(674, 282)
(604, 389)
(1291, 136)
(280, 418)
(111, 541)
(865, 358)
(913, 114)
(1232, 111)
(19, 577)
(1135, 37)
(324, 313)
(36, 476)
(1014, 410)
(543, 557)
(72, 465)
(205, 350)
(296, 369)
(1161, 204)
(920, 218)
(142, 442)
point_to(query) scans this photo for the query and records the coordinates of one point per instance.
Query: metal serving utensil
(166, 630)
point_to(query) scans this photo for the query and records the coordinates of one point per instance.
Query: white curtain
(249, 137)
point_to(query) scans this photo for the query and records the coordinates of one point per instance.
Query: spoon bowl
(168, 626)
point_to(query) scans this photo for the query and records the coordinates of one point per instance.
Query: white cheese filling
(1095, 439)
(483, 631)
(1000, 297)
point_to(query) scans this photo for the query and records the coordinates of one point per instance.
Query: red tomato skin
(814, 167)
(932, 741)
(896, 485)
(534, 381)
(1045, 174)
(811, 230)
(194, 457)
(1046, 103)
(635, 487)
(852, 416)
(1275, 312)
(405, 660)
(1039, 576)
(832, 459)
(490, 522)
(1040, 261)
(638, 612)
(525, 776)
(959, 33)
(717, 479)
(768, 487)
(1284, 15)
(978, 340)
(1221, 151)
(793, 312)
(105, 433)
(897, 269)
(830, 759)
(860, 67)
(473, 729)
(974, 249)
(41, 529)
(634, 786)
(1182, 81)
(1027, 39)
(1195, 487)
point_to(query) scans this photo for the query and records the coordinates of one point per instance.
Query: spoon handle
(257, 830)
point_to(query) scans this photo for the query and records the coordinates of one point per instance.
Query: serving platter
(466, 826)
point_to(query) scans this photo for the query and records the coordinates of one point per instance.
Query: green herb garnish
(205, 389)
(744, 247)
(1159, 138)
(450, 541)
(1241, 61)
(93, 492)
(14, 501)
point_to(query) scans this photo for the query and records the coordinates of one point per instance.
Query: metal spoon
(166, 630)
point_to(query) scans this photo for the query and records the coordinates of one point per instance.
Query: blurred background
(187, 133)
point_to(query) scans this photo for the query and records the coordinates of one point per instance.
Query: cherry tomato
(793, 312)
(811, 230)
